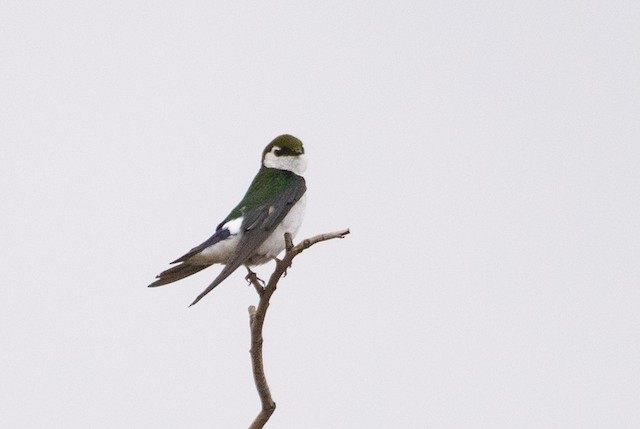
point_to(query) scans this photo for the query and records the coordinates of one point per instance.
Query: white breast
(274, 244)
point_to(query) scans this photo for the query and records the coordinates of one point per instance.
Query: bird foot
(279, 261)
(253, 279)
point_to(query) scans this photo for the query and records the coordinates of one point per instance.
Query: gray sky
(485, 157)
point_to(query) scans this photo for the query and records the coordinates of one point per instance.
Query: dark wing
(257, 226)
(186, 269)
(219, 235)
(175, 273)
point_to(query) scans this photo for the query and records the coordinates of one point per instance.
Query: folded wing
(257, 226)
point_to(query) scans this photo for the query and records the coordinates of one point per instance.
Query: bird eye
(277, 152)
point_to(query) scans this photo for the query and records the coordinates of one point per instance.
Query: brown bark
(257, 317)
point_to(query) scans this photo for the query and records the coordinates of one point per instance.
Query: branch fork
(257, 317)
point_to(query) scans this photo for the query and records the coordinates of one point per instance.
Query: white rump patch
(220, 252)
(233, 225)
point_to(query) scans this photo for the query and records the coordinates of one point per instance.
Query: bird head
(285, 152)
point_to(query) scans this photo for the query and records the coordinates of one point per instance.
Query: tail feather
(226, 272)
(176, 273)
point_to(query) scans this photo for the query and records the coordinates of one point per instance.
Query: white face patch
(296, 164)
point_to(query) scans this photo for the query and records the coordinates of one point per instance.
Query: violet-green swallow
(253, 233)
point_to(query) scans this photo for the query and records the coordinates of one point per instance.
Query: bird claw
(252, 278)
(279, 261)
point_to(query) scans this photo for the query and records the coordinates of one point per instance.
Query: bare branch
(257, 316)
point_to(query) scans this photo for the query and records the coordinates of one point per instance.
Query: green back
(268, 184)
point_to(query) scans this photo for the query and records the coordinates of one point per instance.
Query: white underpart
(220, 252)
(296, 164)
(274, 244)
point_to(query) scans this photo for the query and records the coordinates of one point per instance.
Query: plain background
(484, 154)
